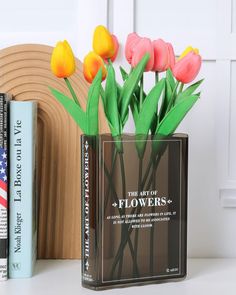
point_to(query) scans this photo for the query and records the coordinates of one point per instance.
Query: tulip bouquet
(156, 113)
(159, 112)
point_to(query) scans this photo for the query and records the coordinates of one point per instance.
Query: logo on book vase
(16, 266)
(3, 177)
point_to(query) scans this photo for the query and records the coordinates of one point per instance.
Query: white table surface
(62, 277)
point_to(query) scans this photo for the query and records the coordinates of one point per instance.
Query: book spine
(3, 190)
(22, 242)
(89, 188)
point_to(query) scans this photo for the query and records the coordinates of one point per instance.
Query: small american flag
(3, 177)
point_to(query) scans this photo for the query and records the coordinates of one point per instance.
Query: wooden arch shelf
(25, 72)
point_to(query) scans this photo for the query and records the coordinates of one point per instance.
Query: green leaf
(131, 84)
(134, 108)
(92, 105)
(119, 88)
(170, 78)
(134, 99)
(125, 120)
(188, 91)
(124, 74)
(111, 108)
(154, 124)
(166, 100)
(146, 115)
(72, 108)
(149, 108)
(174, 117)
(102, 93)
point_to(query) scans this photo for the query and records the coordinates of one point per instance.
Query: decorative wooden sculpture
(25, 72)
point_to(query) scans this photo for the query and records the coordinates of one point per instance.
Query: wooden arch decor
(25, 72)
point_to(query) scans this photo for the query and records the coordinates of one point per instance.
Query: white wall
(209, 25)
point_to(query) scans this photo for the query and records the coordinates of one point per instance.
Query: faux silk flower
(131, 42)
(116, 45)
(143, 46)
(188, 66)
(62, 60)
(164, 57)
(103, 43)
(92, 63)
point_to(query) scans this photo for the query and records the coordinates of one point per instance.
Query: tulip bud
(92, 63)
(164, 57)
(187, 67)
(171, 61)
(140, 49)
(131, 42)
(62, 60)
(116, 46)
(103, 43)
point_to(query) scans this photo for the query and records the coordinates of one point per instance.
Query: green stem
(115, 199)
(111, 178)
(141, 94)
(136, 235)
(147, 172)
(72, 91)
(122, 168)
(156, 116)
(172, 97)
(156, 77)
(151, 261)
(181, 87)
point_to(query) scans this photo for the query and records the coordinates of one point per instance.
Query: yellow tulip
(92, 63)
(62, 60)
(103, 43)
(187, 50)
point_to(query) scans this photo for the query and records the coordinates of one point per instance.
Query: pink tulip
(171, 56)
(131, 41)
(186, 69)
(164, 57)
(140, 49)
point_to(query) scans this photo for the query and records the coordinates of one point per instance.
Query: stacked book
(18, 202)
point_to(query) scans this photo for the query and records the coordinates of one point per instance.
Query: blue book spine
(23, 206)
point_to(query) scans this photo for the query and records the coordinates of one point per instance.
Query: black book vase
(134, 210)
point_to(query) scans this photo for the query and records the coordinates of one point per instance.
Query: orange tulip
(103, 43)
(62, 60)
(92, 63)
(188, 66)
(116, 46)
